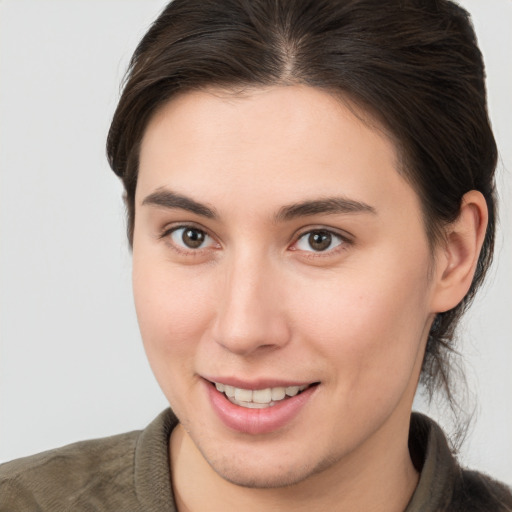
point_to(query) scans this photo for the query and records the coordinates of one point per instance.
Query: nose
(250, 316)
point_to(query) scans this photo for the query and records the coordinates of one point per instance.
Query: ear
(457, 258)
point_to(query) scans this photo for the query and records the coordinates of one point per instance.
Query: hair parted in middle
(412, 67)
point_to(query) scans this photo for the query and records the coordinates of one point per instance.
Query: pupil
(193, 238)
(320, 240)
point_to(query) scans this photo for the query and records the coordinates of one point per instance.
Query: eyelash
(167, 236)
(343, 241)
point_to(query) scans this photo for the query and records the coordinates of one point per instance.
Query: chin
(258, 473)
(262, 477)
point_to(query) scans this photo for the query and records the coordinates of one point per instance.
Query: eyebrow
(172, 200)
(331, 205)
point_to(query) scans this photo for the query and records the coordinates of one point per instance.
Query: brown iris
(320, 240)
(193, 238)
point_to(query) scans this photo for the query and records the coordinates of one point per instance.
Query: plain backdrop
(71, 361)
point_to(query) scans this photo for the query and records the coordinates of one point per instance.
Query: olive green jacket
(130, 473)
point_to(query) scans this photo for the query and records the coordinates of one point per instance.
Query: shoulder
(480, 493)
(63, 478)
(444, 485)
(128, 472)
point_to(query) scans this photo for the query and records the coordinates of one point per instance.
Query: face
(281, 280)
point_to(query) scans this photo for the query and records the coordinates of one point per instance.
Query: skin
(256, 301)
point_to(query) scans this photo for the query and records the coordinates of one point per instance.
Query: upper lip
(262, 383)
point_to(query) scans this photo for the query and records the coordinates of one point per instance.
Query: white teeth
(243, 395)
(292, 390)
(251, 405)
(262, 396)
(229, 390)
(258, 398)
(278, 393)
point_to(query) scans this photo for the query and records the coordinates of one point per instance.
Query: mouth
(255, 410)
(259, 398)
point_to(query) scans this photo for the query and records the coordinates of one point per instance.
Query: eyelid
(169, 229)
(345, 238)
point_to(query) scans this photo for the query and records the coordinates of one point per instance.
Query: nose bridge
(249, 315)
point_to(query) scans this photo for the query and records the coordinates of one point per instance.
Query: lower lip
(257, 421)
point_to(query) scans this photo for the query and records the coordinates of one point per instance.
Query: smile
(258, 398)
(259, 410)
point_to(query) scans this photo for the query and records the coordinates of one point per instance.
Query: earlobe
(457, 257)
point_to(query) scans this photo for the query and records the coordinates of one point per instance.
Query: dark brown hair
(414, 65)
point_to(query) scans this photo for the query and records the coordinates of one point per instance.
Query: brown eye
(193, 238)
(190, 238)
(319, 240)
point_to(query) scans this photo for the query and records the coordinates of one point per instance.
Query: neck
(370, 479)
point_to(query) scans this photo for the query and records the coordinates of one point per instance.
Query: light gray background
(72, 364)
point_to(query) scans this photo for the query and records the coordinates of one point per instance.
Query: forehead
(214, 112)
(280, 143)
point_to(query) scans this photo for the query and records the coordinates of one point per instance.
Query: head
(414, 67)
(410, 73)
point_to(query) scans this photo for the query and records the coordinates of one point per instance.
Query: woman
(310, 195)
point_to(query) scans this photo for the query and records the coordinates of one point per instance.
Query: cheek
(370, 324)
(173, 310)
